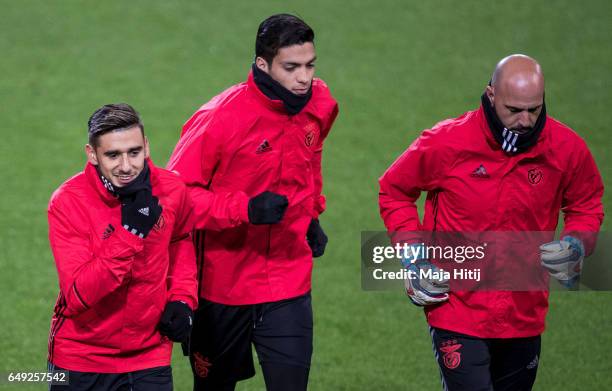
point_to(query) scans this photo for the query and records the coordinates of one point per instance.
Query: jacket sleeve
(419, 168)
(86, 277)
(581, 203)
(319, 198)
(196, 158)
(182, 273)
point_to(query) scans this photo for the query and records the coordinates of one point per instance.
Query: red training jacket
(234, 147)
(501, 197)
(113, 284)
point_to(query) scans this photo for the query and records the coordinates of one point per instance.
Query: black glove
(140, 210)
(140, 213)
(316, 238)
(176, 321)
(267, 208)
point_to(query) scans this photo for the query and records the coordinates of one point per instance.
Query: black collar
(512, 142)
(274, 90)
(142, 181)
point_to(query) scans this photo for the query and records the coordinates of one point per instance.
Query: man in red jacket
(504, 167)
(120, 232)
(251, 159)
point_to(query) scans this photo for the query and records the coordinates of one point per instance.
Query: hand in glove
(316, 238)
(424, 291)
(176, 321)
(563, 259)
(267, 208)
(140, 210)
(140, 213)
(421, 290)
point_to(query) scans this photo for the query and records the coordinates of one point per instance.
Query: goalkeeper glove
(563, 260)
(422, 286)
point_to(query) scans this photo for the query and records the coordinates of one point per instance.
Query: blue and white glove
(422, 286)
(563, 259)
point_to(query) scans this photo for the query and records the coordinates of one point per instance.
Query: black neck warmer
(512, 142)
(274, 90)
(141, 182)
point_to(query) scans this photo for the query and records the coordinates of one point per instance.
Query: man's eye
(134, 153)
(112, 156)
(532, 110)
(289, 69)
(515, 110)
(310, 66)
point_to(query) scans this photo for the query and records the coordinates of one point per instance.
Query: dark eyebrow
(111, 152)
(296, 64)
(519, 109)
(115, 152)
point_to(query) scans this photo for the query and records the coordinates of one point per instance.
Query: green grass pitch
(396, 67)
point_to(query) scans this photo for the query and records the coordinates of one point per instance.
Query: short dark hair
(112, 118)
(279, 31)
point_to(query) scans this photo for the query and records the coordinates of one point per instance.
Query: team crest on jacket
(534, 176)
(451, 358)
(201, 364)
(309, 139)
(310, 129)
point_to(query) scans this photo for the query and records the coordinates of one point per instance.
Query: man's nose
(302, 76)
(124, 164)
(524, 119)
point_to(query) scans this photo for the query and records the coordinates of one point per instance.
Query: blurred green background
(396, 67)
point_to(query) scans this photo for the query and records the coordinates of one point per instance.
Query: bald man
(505, 167)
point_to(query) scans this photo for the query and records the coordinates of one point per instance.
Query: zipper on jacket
(276, 186)
(199, 236)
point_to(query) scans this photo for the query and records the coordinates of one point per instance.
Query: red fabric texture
(523, 192)
(113, 284)
(234, 147)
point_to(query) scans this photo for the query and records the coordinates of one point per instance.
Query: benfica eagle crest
(534, 176)
(451, 357)
(201, 364)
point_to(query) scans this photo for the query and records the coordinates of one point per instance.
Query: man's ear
(491, 94)
(147, 151)
(91, 154)
(262, 64)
